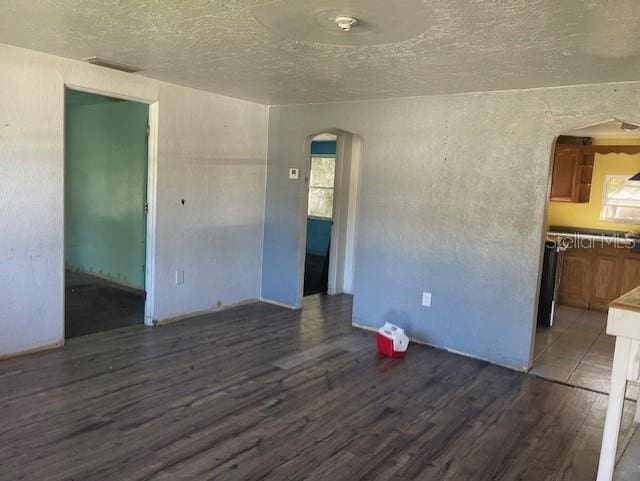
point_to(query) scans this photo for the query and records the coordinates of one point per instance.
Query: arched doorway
(329, 212)
(591, 254)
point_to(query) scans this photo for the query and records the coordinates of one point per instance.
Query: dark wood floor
(95, 305)
(260, 392)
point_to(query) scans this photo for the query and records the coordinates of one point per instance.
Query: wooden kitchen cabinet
(606, 279)
(572, 173)
(566, 169)
(593, 277)
(630, 273)
(574, 280)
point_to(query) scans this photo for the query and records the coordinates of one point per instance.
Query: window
(620, 200)
(323, 171)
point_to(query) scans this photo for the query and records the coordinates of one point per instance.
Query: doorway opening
(591, 251)
(105, 204)
(330, 212)
(320, 214)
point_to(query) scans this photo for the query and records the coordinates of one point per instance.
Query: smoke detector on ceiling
(346, 22)
(355, 23)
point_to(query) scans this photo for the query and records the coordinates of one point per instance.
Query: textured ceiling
(220, 46)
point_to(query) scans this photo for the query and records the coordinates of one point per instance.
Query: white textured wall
(453, 193)
(211, 152)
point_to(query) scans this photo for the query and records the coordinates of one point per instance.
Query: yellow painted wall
(588, 214)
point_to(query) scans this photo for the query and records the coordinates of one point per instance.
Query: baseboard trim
(204, 312)
(116, 282)
(276, 303)
(443, 348)
(33, 350)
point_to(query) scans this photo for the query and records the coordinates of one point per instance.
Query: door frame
(344, 217)
(151, 197)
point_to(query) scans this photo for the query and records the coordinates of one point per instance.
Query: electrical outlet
(179, 277)
(426, 299)
(294, 173)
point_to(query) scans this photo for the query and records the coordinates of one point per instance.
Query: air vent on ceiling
(627, 127)
(103, 62)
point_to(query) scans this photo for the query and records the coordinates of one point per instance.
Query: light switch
(294, 173)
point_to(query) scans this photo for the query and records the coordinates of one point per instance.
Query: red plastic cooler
(392, 341)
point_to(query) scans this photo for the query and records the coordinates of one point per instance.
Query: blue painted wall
(318, 236)
(326, 147)
(440, 210)
(281, 234)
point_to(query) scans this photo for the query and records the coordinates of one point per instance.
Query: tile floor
(577, 351)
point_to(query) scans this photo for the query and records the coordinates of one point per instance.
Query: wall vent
(103, 62)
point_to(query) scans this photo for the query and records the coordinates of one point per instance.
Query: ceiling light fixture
(346, 22)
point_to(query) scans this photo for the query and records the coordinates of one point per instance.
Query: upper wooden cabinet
(572, 173)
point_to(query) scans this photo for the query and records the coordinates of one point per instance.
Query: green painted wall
(105, 187)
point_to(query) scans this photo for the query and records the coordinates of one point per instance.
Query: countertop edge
(623, 303)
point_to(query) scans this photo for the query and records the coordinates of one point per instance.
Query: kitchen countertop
(559, 229)
(618, 237)
(629, 301)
